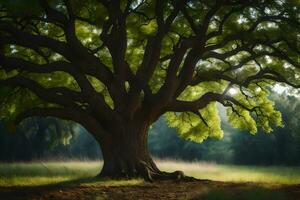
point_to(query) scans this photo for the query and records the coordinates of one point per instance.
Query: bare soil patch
(165, 190)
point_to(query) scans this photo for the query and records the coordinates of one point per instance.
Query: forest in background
(50, 138)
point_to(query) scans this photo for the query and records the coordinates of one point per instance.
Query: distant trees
(282, 147)
(10, 146)
(46, 133)
(165, 143)
(279, 148)
(46, 138)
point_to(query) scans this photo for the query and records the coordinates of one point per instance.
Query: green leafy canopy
(112, 60)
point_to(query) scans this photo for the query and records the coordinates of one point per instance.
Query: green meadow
(45, 173)
(233, 173)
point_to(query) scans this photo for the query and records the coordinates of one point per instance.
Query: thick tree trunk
(126, 155)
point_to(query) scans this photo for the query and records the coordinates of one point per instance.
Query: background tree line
(50, 138)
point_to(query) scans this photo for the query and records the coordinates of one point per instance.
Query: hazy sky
(279, 88)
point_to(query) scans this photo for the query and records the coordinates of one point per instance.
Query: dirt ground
(166, 190)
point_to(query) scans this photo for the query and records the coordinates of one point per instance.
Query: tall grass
(42, 173)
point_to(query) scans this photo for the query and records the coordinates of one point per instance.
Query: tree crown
(115, 60)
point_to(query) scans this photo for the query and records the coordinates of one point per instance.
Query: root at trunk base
(140, 169)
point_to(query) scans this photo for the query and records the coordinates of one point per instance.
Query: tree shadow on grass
(96, 181)
(51, 191)
(80, 181)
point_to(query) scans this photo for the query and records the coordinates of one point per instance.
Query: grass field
(234, 173)
(43, 173)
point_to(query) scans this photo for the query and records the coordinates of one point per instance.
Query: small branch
(201, 117)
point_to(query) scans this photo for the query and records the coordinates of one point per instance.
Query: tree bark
(126, 155)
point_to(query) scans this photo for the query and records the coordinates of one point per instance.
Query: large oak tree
(116, 66)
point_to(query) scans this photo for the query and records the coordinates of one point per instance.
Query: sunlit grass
(44, 173)
(32, 180)
(233, 173)
(59, 168)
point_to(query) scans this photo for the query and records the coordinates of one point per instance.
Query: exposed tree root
(148, 171)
